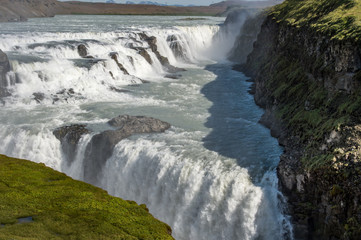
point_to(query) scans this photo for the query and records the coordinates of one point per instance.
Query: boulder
(69, 137)
(4, 69)
(38, 96)
(83, 51)
(102, 145)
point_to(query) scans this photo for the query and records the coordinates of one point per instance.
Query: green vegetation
(340, 19)
(308, 109)
(62, 208)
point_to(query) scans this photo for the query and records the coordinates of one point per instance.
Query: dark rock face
(69, 137)
(248, 35)
(176, 47)
(101, 146)
(38, 96)
(142, 52)
(152, 42)
(4, 69)
(82, 51)
(324, 199)
(114, 56)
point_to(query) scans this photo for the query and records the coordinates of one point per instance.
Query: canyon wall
(307, 77)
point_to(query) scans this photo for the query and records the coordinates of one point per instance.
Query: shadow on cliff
(235, 131)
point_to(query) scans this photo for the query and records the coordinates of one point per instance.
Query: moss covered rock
(39, 203)
(306, 65)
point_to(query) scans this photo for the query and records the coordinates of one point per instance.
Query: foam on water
(200, 192)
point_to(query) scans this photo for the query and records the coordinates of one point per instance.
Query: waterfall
(201, 193)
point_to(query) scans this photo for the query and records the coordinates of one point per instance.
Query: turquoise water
(211, 176)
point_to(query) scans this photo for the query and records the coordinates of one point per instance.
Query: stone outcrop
(101, 145)
(4, 69)
(69, 136)
(176, 47)
(83, 51)
(114, 56)
(152, 42)
(308, 83)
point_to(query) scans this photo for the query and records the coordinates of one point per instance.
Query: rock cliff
(306, 66)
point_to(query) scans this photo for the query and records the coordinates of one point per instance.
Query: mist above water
(210, 176)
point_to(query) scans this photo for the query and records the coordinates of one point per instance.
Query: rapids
(211, 176)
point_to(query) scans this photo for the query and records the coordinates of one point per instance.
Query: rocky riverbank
(306, 67)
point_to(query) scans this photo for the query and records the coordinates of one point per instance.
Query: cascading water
(210, 176)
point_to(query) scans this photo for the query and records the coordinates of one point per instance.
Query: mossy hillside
(340, 19)
(63, 208)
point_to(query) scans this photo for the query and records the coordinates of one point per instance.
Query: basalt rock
(152, 42)
(114, 56)
(143, 52)
(4, 69)
(309, 85)
(176, 47)
(69, 136)
(83, 51)
(102, 145)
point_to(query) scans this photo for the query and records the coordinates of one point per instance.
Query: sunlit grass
(341, 19)
(63, 208)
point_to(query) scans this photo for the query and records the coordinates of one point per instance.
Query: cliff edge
(40, 203)
(306, 66)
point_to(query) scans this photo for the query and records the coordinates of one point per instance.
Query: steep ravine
(308, 81)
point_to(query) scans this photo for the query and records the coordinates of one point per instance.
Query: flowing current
(211, 176)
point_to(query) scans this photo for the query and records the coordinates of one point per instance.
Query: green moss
(63, 208)
(307, 108)
(340, 19)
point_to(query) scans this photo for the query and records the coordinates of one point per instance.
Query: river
(211, 176)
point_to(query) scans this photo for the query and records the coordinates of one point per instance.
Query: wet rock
(4, 69)
(114, 56)
(176, 47)
(102, 145)
(152, 42)
(69, 137)
(143, 52)
(82, 50)
(39, 97)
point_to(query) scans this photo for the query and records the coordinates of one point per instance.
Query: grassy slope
(339, 18)
(63, 208)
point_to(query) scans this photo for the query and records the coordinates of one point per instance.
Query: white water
(211, 176)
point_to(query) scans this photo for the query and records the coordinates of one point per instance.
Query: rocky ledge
(101, 146)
